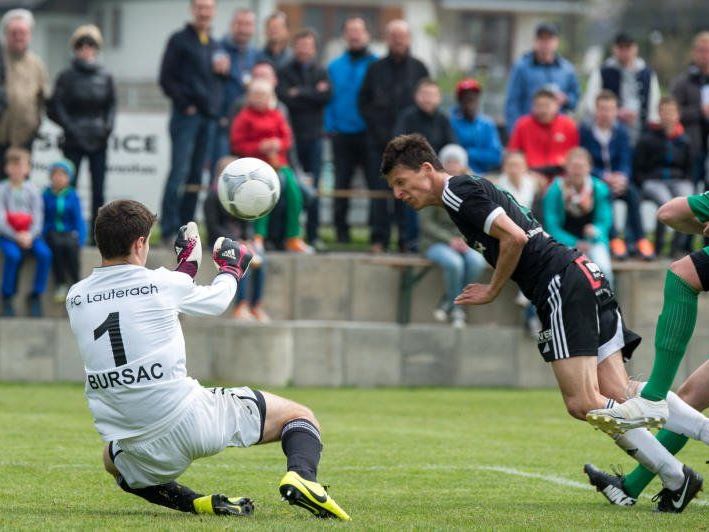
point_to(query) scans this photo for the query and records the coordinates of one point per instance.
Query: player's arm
(232, 259)
(512, 241)
(678, 214)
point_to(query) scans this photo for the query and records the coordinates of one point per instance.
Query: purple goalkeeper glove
(188, 248)
(231, 257)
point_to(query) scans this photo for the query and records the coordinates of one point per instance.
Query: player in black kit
(583, 337)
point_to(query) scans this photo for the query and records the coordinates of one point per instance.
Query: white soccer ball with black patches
(248, 188)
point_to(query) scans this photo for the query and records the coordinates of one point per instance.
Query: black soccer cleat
(611, 486)
(674, 501)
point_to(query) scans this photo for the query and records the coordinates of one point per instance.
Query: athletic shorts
(700, 259)
(217, 418)
(581, 317)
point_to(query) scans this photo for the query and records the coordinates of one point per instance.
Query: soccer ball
(248, 188)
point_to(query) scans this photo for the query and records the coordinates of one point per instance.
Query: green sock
(294, 202)
(674, 330)
(638, 479)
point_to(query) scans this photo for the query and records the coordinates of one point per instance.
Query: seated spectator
(260, 130)
(523, 186)
(662, 167)
(578, 211)
(220, 223)
(443, 245)
(476, 132)
(21, 214)
(544, 136)
(608, 143)
(426, 118)
(64, 226)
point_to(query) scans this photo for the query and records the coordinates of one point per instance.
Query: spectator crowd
(565, 155)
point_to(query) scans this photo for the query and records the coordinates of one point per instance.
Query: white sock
(685, 420)
(642, 445)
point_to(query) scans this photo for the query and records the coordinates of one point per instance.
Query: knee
(108, 464)
(578, 407)
(303, 412)
(691, 395)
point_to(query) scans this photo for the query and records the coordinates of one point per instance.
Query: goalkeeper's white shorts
(217, 418)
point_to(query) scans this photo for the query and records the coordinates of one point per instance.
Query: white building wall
(420, 14)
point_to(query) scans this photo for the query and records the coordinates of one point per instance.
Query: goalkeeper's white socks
(685, 420)
(642, 445)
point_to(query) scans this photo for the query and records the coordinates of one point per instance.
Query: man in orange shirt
(544, 136)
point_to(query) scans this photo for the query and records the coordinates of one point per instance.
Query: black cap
(623, 39)
(546, 28)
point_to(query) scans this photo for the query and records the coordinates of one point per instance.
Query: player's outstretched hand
(188, 248)
(231, 257)
(475, 294)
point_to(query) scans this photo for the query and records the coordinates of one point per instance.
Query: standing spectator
(387, 89)
(242, 57)
(21, 225)
(276, 50)
(188, 76)
(545, 136)
(443, 245)
(64, 227)
(608, 143)
(476, 132)
(542, 67)
(221, 223)
(425, 116)
(305, 89)
(662, 167)
(578, 211)
(342, 118)
(26, 84)
(84, 106)
(632, 81)
(691, 90)
(260, 130)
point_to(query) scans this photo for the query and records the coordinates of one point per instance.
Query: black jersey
(473, 203)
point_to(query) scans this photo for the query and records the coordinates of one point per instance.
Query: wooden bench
(412, 269)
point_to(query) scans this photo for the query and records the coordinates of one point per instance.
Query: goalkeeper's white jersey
(125, 319)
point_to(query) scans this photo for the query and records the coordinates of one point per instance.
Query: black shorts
(700, 259)
(580, 316)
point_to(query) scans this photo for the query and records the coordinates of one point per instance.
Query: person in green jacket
(578, 211)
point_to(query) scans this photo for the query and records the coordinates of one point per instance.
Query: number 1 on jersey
(112, 326)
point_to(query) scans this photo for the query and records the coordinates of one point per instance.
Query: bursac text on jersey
(114, 293)
(110, 379)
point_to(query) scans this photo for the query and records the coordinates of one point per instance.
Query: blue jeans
(459, 269)
(190, 136)
(310, 158)
(255, 277)
(14, 255)
(220, 145)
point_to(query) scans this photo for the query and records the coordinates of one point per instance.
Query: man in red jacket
(544, 136)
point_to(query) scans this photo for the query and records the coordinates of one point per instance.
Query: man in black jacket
(305, 89)
(388, 89)
(691, 90)
(188, 76)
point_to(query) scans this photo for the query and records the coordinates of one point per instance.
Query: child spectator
(662, 166)
(578, 211)
(443, 245)
(260, 130)
(545, 136)
(64, 227)
(220, 223)
(476, 132)
(608, 143)
(21, 215)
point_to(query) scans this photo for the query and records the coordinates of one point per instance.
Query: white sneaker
(458, 318)
(440, 315)
(634, 413)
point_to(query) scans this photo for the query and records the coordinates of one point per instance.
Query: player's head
(122, 230)
(545, 106)
(17, 164)
(411, 167)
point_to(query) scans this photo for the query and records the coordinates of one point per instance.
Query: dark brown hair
(119, 224)
(410, 151)
(668, 100)
(17, 155)
(605, 94)
(544, 93)
(304, 34)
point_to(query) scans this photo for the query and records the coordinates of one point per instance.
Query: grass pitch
(415, 459)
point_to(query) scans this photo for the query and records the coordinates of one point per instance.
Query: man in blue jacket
(540, 68)
(342, 119)
(476, 132)
(188, 78)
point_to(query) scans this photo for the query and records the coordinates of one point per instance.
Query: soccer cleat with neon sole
(311, 496)
(219, 504)
(635, 413)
